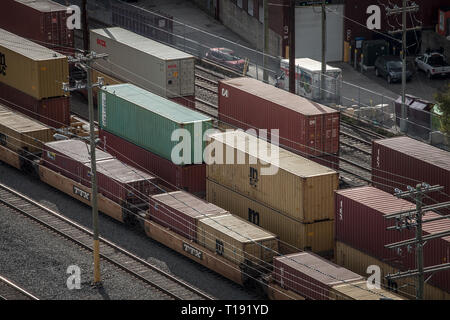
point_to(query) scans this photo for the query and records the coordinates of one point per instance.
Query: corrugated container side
(151, 129)
(359, 291)
(358, 261)
(310, 275)
(298, 187)
(54, 112)
(187, 101)
(32, 69)
(399, 162)
(180, 211)
(314, 133)
(190, 178)
(317, 237)
(360, 223)
(20, 133)
(234, 239)
(46, 23)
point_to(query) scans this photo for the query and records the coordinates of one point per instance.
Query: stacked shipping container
(132, 58)
(31, 78)
(360, 223)
(318, 279)
(305, 127)
(42, 21)
(278, 190)
(402, 161)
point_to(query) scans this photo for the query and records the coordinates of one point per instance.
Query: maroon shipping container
(54, 112)
(402, 161)
(42, 21)
(191, 178)
(306, 126)
(180, 212)
(122, 183)
(68, 158)
(360, 223)
(309, 275)
(187, 101)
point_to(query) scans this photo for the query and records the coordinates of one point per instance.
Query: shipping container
(68, 158)
(237, 240)
(20, 133)
(54, 112)
(42, 21)
(294, 235)
(306, 127)
(122, 183)
(31, 68)
(358, 261)
(276, 177)
(190, 178)
(150, 121)
(180, 211)
(402, 161)
(310, 276)
(359, 291)
(360, 222)
(151, 65)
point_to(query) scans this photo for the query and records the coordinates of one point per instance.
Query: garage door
(308, 32)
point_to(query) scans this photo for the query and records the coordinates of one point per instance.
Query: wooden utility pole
(85, 25)
(292, 47)
(266, 40)
(324, 50)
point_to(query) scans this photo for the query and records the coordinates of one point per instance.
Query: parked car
(433, 64)
(227, 57)
(390, 67)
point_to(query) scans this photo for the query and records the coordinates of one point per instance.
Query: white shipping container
(307, 79)
(148, 64)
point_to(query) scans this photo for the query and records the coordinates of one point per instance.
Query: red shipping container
(360, 223)
(68, 158)
(180, 212)
(187, 101)
(402, 161)
(309, 275)
(54, 112)
(42, 21)
(191, 178)
(122, 183)
(306, 126)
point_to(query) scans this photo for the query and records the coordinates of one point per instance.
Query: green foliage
(443, 99)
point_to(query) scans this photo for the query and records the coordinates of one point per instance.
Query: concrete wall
(205, 5)
(433, 40)
(248, 27)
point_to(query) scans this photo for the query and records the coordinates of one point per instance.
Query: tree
(443, 100)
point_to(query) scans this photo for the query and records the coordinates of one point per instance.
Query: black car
(390, 67)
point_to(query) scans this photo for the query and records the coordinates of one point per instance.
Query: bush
(443, 99)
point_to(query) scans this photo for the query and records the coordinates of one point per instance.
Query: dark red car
(226, 57)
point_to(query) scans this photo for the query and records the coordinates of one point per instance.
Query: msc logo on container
(225, 93)
(3, 65)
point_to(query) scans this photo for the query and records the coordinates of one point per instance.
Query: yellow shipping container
(237, 240)
(357, 261)
(108, 80)
(299, 187)
(31, 68)
(317, 237)
(358, 290)
(18, 132)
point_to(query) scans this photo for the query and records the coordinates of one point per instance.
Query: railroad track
(169, 286)
(11, 291)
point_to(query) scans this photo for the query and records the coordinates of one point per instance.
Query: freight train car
(306, 127)
(132, 58)
(42, 21)
(402, 161)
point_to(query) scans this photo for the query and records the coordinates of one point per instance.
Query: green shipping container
(149, 121)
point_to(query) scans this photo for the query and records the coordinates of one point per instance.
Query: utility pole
(413, 219)
(324, 50)
(85, 26)
(266, 40)
(395, 11)
(85, 63)
(292, 47)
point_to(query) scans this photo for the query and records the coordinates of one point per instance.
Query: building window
(261, 12)
(250, 7)
(239, 3)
